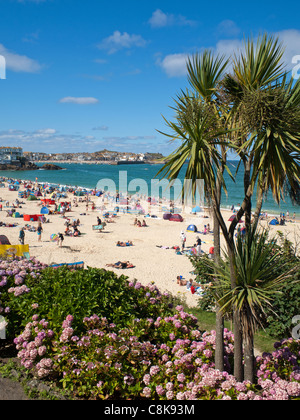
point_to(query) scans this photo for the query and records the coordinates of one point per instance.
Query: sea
(139, 179)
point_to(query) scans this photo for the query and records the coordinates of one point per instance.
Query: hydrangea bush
(13, 277)
(106, 362)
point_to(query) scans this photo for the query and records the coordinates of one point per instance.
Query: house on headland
(10, 155)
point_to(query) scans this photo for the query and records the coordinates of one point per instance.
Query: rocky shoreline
(28, 166)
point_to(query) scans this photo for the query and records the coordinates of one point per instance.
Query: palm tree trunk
(237, 328)
(258, 208)
(249, 358)
(219, 352)
(247, 173)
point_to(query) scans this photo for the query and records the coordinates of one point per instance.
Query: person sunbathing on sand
(129, 243)
(180, 281)
(121, 264)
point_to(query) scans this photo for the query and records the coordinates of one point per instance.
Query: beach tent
(176, 218)
(274, 222)
(44, 210)
(13, 187)
(167, 216)
(79, 193)
(4, 240)
(192, 228)
(31, 217)
(231, 219)
(32, 198)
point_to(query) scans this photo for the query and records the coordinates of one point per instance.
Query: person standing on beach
(198, 245)
(183, 240)
(22, 236)
(60, 239)
(39, 231)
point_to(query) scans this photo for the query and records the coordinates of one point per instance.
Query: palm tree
(264, 127)
(258, 261)
(265, 108)
(200, 121)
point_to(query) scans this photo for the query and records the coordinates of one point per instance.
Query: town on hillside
(15, 156)
(104, 156)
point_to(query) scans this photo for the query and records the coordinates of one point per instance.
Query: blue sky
(82, 76)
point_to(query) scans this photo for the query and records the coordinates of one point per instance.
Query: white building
(10, 154)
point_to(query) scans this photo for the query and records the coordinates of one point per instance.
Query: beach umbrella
(196, 209)
(54, 237)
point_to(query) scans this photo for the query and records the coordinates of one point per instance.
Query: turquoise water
(87, 176)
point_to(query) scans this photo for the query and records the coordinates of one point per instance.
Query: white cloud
(159, 19)
(174, 65)
(128, 138)
(46, 131)
(19, 63)
(78, 101)
(101, 128)
(291, 42)
(118, 41)
(229, 28)
(48, 140)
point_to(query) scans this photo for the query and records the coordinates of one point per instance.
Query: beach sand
(96, 249)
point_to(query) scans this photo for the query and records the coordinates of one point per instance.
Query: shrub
(14, 275)
(286, 304)
(83, 293)
(203, 272)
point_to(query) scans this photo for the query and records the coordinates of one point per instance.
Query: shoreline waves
(87, 175)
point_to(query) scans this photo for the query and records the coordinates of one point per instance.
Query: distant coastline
(102, 162)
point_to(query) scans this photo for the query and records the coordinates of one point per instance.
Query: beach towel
(74, 266)
(14, 250)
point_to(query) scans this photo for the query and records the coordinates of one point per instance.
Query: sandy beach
(152, 261)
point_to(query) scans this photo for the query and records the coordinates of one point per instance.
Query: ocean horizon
(85, 175)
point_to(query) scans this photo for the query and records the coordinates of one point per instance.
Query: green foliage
(287, 304)
(203, 271)
(82, 293)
